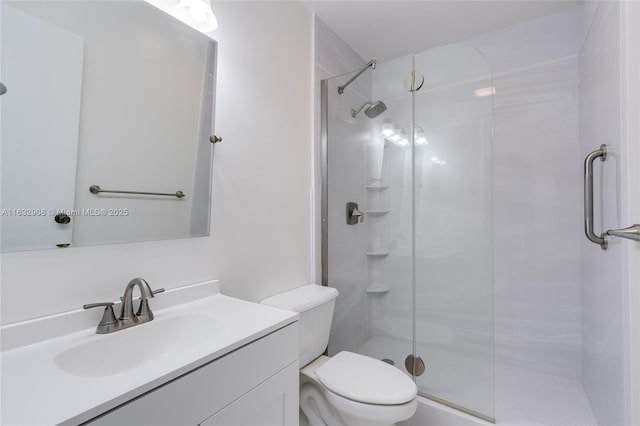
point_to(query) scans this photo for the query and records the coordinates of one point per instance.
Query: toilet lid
(364, 379)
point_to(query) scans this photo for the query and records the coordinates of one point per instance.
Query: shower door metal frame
(324, 172)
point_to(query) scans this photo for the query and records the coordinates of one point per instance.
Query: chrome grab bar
(95, 189)
(631, 233)
(588, 196)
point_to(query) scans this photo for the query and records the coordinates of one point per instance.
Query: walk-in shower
(415, 277)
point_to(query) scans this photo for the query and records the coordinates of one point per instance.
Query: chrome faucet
(109, 323)
(127, 317)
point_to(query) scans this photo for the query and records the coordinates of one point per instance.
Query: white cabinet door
(272, 403)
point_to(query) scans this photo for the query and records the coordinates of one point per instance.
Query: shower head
(372, 111)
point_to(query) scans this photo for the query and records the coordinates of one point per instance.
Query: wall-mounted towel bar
(631, 233)
(95, 189)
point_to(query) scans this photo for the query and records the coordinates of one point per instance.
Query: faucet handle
(108, 321)
(144, 311)
(154, 292)
(160, 290)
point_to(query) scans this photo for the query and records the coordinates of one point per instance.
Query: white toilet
(347, 389)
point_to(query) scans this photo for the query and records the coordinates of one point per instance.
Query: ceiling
(393, 28)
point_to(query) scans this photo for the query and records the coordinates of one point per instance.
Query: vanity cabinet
(256, 384)
(267, 405)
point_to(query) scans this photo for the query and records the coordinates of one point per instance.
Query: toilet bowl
(347, 389)
(355, 390)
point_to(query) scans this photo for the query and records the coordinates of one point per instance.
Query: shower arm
(372, 63)
(355, 112)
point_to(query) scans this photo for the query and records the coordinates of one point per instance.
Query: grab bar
(588, 196)
(631, 233)
(95, 189)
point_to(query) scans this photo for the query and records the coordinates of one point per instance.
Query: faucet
(109, 323)
(144, 314)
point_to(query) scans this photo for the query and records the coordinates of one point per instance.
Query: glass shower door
(408, 221)
(453, 229)
(369, 260)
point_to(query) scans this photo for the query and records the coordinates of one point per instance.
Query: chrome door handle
(588, 196)
(630, 233)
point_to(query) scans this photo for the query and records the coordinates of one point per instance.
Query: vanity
(206, 359)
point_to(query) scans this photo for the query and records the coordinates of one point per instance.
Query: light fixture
(197, 14)
(387, 129)
(403, 141)
(420, 138)
(485, 91)
(395, 136)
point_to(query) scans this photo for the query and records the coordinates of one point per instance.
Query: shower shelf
(377, 253)
(376, 212)
(376, 188)
(377, 288)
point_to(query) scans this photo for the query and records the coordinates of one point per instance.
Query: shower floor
(522, 397)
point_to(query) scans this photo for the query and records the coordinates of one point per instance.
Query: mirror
(112, 94)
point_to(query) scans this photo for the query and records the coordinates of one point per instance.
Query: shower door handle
(588, 197)
(630, 233)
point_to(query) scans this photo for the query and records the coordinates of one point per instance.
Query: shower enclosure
(408, 222)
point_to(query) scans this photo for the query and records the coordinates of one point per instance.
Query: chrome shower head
(372, 111)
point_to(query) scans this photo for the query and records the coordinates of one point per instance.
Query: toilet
(347, 389)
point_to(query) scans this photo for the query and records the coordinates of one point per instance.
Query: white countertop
(35, 390)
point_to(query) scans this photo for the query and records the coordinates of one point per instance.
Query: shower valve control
(353, 213)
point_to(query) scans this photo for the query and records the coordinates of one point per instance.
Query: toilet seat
(366, 380)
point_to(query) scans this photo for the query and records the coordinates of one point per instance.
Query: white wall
(631, 44)
(347, 265)
(332, 57)
(537, 193)
(610, 90)
(259, 242)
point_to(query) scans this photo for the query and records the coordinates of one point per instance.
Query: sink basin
(127, 349)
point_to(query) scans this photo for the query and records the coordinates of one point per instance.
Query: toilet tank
(315, 305)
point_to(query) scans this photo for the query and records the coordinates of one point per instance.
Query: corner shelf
(377, 288)
(376, 188)
(377, 253)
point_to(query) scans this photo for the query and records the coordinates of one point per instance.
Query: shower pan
(416, 275)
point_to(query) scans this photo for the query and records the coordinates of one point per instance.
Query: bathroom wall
(631, 45)
(537, 193)
(346, 157)
(332, 57)
(260, 238)
(604, 275)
